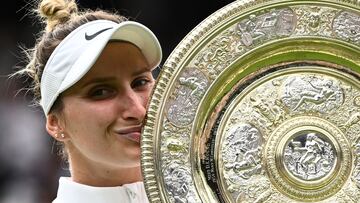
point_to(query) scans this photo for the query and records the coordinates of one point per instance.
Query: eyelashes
(102, 92)
(106, 91)
(140, 83)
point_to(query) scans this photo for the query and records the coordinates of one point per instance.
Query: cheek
(146, 96)
(84, 117)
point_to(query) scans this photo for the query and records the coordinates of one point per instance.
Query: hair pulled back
(60, 18)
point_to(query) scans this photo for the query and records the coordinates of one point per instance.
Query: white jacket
(72, 192)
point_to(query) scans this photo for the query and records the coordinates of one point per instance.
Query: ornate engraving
(323, 129)
(351, 193)
(347, 26)
(176, 164)
(302, 107)
(250, 31)
(277, 197)
(357, 101)
(177, 182)
(262, 108)
(354, 119)
(241, 37)
(274, 24)
(220, 43)
(273, 114)
(312, 93)
(242, 152)
(175, 143)
(218, 55)
(314, 20)
(309, 157)
(262, 27)
(256, 191)
(191, 86)
(175, 146)
(356, 173)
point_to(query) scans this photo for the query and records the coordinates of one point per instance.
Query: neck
(107, 178)
(100, 175)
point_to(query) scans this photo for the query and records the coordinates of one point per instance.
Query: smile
(131, 133)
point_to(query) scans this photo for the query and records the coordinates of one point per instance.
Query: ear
(54, 126)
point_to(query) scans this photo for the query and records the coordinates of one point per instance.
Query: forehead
(119, 61)
(122, 57)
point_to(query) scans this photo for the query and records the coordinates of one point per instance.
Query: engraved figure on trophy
(263, 109)
(354, 119)
(177, 180)
(356, 174)
(273, 24)
(309, 157)
(175, 143)
(286, 22)
(279, 110)
(176, 146)
(347, 26)
(318, 95)
(255, 194)
(357, 101)
(192, 84)
(314, 20)
(313, 148)
(316, 24)
(249, 30)
(243, 152)
(197, 87)
(311, 93)
(273, 113)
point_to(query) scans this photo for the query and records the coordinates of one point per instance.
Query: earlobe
(54, 127)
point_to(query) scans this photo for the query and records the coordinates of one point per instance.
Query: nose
(133, 107)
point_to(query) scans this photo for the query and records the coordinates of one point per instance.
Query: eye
(140, 83)
(99, 93)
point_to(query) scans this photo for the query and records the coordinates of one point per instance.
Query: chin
(132, 159)
(130, 164)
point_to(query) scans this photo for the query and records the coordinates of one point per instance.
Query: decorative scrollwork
(216, 46)
(314, 20)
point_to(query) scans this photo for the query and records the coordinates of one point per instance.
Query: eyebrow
(107, 79)
(141, 71)
(98, 80)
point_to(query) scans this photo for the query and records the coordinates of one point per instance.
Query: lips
(131, 133)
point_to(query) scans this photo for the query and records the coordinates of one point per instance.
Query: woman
(95, 69)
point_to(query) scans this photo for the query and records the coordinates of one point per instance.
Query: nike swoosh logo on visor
(90, 37)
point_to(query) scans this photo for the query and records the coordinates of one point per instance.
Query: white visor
(78, 52)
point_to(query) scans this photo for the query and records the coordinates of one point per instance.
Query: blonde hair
(60, 18)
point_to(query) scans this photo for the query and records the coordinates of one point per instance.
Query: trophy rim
(178, 59)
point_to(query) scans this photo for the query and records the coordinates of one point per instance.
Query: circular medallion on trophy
(259, 103)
